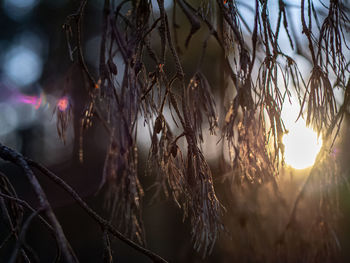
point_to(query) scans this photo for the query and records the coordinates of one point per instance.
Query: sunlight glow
(301, 143)
(301, 146)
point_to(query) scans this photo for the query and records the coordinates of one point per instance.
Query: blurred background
(34, 65)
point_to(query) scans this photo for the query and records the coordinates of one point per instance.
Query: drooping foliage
(260, 73)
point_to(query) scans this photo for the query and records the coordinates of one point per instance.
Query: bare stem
(8, 154)
(102, 222)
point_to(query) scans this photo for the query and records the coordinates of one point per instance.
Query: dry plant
(256, 69)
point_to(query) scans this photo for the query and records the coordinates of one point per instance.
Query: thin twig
(300, 194)
(8, 154)
(43, 220)
(103, 223)
(21, 239)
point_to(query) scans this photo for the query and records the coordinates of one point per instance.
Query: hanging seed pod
(174, 149)
(112, 66)
(158, 124)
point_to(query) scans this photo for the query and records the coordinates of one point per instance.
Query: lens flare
(11, 95)
(36, 101)
(63, 104)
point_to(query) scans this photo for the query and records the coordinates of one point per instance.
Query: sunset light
(301, 146)
(187, 131)
(301, 142)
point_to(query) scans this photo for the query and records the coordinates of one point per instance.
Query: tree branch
(10, 155)
(102, 222)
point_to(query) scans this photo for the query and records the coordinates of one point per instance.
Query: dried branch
(102, 222)
(262, 77)
(8, 154)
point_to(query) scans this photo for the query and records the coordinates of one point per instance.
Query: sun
(301, 143)
(301, 146)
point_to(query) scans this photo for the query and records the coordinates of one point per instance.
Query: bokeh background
(34, 64)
